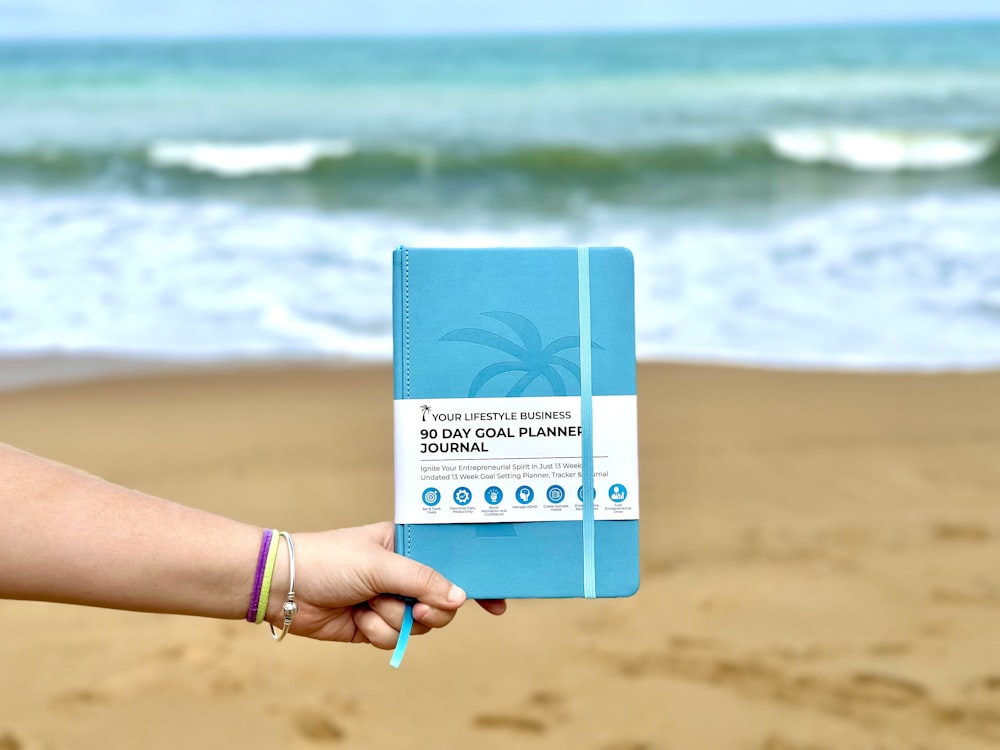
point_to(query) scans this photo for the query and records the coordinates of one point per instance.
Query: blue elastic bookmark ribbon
(404, 636)
(586, 424)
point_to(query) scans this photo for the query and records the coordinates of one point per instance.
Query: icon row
(524, 495)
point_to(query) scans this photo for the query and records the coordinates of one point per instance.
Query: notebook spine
(400, 353)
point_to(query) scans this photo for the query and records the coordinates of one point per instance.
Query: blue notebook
(514, 382)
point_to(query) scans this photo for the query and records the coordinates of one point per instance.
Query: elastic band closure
(404, 636)
(586, 424)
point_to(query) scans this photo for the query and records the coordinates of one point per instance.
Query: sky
(143, 18)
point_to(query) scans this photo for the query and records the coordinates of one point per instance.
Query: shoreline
(31, 371)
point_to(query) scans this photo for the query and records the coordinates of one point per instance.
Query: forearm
(66, 536)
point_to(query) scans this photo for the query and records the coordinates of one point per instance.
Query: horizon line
(304, 35)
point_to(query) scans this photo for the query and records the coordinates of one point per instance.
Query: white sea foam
(880, 150)
(231, 159)
(906, 284)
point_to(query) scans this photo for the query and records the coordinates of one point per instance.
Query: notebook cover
(438, 291)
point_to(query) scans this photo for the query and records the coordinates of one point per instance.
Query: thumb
(395, 574)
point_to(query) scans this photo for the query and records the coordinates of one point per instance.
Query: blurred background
(812, 194)
(226, 180)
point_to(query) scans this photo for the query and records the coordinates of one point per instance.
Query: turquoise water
(779, 188)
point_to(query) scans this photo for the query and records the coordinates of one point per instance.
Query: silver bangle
(289, 609)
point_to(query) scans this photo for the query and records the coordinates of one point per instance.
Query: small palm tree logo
(530, 357)
(424, 411)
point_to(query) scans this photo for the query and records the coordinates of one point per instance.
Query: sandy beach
(820, 557)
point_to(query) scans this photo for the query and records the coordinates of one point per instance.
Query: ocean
(823, 197)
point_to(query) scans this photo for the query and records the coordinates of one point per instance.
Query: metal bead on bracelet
(289, 609)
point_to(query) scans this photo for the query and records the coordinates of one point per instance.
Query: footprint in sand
(777, 742)
(509, 722)
(546, 699)
(988, 684)
(11, 741)
(532, 717)
(76, 698)
(658, 567)
(314, 726)
(890, 648)
(887, 689)
(957, 531)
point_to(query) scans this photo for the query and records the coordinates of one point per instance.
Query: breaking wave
(242, 159)
(882, 150)
(344, 173)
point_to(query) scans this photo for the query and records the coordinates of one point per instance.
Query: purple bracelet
(258, 578)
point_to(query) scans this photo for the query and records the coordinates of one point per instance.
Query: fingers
(493, 606)
(377, 631)
(391, 609)
(395, 574)
(431, 616)
(381, 620)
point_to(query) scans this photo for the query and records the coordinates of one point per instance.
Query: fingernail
(420, 611)
(456, 595)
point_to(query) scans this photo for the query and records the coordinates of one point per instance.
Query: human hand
(348, 583)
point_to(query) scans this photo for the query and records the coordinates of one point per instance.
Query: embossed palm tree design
(530, 357)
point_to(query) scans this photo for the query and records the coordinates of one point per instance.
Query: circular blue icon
(493, 495)
(555, 494)
(525, 494)
(431, 496)
(579, 493)
(462, 496)
(618, 493)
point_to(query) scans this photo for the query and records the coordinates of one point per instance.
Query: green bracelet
(265, 588)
